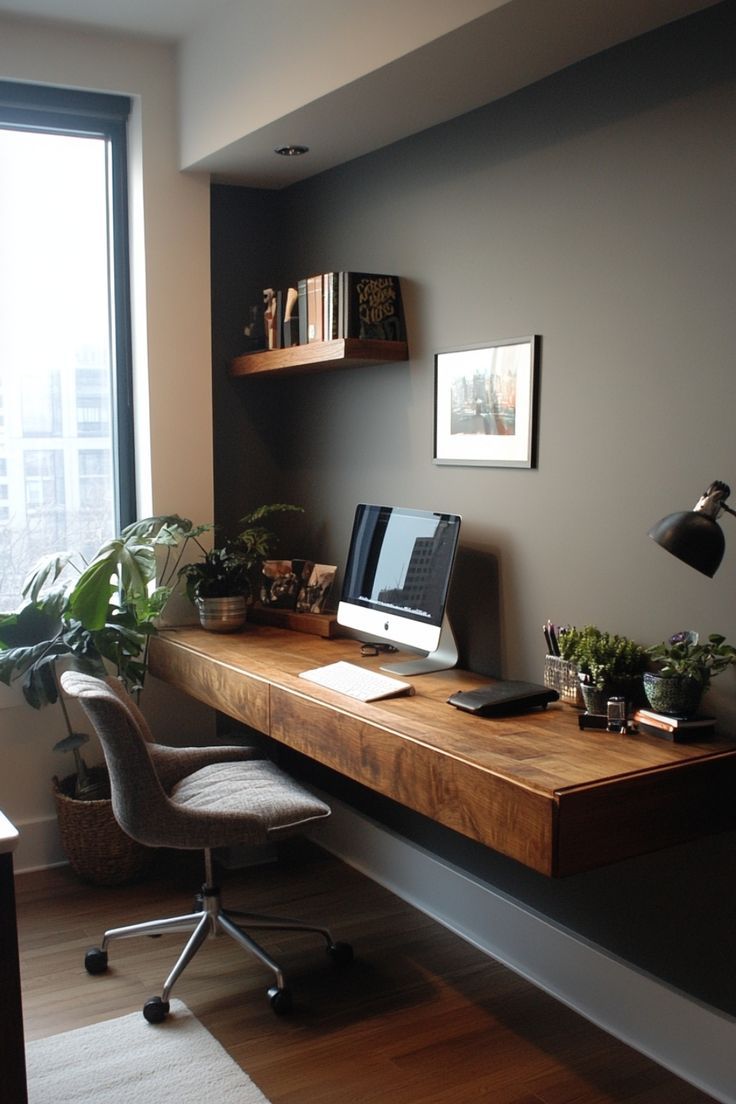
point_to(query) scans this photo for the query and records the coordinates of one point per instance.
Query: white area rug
(128, 1060)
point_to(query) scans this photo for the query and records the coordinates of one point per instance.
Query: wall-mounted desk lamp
(695, 536)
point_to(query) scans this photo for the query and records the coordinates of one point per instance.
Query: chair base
(212, 919)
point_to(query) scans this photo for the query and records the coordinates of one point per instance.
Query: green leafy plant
(602, 658)
(683, 656)
(227, 571)
(94, 615)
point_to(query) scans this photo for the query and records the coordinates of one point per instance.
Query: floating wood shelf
(319, 356)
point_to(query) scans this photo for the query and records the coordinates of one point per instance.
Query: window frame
(44, 108)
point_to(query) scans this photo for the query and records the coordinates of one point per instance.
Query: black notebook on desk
(499, 699)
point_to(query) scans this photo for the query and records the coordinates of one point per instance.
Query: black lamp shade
(692, 536)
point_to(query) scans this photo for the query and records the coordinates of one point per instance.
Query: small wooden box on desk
(315, 624)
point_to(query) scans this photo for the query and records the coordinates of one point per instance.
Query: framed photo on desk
(484, 411)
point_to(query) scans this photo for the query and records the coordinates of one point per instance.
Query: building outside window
(66, 429)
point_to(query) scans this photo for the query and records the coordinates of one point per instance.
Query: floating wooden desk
(533, 787)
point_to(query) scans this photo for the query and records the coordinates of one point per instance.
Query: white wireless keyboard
(359, 683)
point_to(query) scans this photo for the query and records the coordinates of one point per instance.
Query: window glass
(65, 413)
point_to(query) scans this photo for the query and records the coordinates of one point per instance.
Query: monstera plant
(95, 615)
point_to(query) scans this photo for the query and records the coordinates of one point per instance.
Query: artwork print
(484, 404)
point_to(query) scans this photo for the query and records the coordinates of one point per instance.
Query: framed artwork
(484, 407)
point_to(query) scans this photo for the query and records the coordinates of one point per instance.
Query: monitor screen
(398, 573)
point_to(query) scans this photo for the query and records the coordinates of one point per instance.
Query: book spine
(315, 326)
(278, 330)
(334, 305)
(342, 327)
(662, 720)
(677, 735)
(326, 306)
(302, 297)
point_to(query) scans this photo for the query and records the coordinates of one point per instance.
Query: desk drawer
(242, 696)
(614, 820)
(461, 795)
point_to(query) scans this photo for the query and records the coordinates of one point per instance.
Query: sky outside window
(55, 345)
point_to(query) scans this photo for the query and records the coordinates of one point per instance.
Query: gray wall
(595, 209)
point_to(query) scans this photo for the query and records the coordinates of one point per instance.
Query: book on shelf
(363, 305)
(372, 308)
(335, 305)
(279, 320)
(329, 305)
(674, 728)
(301, 289)
(315, 309)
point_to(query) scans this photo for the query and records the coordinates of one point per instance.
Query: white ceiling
(436, 73)
(167, 20)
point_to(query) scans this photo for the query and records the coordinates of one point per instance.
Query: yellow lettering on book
(376, 300)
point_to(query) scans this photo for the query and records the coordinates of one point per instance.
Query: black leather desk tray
(498, 699)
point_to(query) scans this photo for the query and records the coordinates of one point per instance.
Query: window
(45, 515)
(44, 480)
(94, 478)
(66, 427)
(41, 404)
(93, 400)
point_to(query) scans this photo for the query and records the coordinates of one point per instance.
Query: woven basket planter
(99, 851)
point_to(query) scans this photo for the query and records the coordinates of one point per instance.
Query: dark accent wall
(595, 209)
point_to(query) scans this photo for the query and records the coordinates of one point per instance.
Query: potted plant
(220, 584)
(685, 668)
(608, 665)
(98, 617)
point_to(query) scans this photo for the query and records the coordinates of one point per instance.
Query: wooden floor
(419, 1018)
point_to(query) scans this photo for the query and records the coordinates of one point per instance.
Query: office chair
(191, 799)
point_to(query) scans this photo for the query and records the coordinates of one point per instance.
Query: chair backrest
(138, 799)
(130, 704)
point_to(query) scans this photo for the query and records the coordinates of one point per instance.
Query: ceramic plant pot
(222, 615)
(676, 696)
(596, 701)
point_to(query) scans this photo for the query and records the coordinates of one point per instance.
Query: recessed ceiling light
(291, 151)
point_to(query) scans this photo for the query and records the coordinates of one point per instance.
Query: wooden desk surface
(534, 787)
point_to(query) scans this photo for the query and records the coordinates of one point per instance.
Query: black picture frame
(485, 402)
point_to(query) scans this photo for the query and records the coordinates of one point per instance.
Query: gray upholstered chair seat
(191, 798)
(254, 789)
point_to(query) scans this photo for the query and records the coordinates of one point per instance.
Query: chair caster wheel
(340, 953)
(156, 1010)
(280, 1000)
(95, 961)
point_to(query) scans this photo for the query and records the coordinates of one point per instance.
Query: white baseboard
(39, 845)
(693, 1040)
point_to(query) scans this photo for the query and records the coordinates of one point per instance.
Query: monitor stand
(442, 658)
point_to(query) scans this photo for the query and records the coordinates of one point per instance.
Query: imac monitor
(396, 582)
